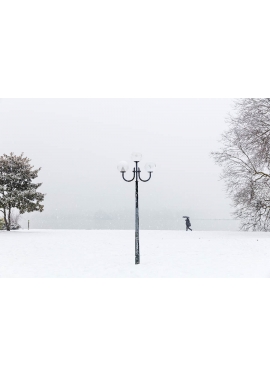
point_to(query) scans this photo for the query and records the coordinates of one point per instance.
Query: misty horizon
(79, 142)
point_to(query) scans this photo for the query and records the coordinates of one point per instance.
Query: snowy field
(110, 253)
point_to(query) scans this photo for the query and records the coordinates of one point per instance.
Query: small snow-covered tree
(17, 189)
(14, 221)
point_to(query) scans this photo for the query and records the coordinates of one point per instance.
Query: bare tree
(245, 159)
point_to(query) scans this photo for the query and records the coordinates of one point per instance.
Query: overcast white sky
(79, 142)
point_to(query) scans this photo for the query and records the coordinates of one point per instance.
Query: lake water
(126, 221)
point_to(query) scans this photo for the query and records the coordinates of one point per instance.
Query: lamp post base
(137, 250)
(137, 241)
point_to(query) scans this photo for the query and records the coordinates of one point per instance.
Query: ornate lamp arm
(144, 180)
(128, 180)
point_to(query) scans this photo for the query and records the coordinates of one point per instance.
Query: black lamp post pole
(136, 174)
(137, 240)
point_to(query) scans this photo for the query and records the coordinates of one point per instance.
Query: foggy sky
(79, 142)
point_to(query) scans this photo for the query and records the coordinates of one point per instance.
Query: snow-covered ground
(110, 253)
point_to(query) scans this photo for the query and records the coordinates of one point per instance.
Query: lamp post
(123, 167)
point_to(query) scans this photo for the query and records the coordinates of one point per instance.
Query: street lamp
(123, 167)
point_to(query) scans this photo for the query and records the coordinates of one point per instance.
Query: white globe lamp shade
(150, 167)
(136, 156)
(122, 166)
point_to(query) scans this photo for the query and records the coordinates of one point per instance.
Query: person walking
(188, 223)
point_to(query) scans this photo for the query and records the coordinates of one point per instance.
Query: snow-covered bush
(2, 223)
(14, 222)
